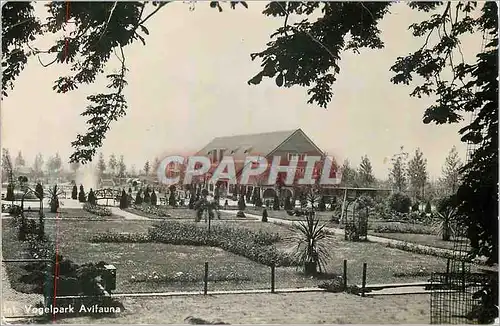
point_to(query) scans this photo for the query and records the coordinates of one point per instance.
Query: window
(303, 157)
(292, 156)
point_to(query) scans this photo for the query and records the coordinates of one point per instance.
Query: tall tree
(113, 164)
(365, 173)
(20, 161)
(120, 23)
(74, 166)
(7, 168)
(54, 165)
(451, 171)
(101, 164)
(397, 173)
(122, 168)
(38, 165)
(349, 175)
(155, 166)
(417, 174)
(147, 168)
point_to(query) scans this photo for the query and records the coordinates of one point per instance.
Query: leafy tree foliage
(349, 175)
(113, 163)
(122, 168)
(101, 164)
(7, 168)
(147, 168)
(38, 165)
(20, 161)
(451, 171)
(397, 173)
(365, 173)
(102, 30)
(417, 174)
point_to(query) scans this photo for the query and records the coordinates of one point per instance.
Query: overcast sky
(189, 85)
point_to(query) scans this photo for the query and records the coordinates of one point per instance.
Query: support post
(273, 277)
(363, 284)
(345, 274)
(205, 279)
(447, 277)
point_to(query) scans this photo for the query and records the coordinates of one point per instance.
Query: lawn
(78, 213)
(180, 213)
(181, 267)
(176, 267)
(282, 214)
(297, 308)
(423, 239)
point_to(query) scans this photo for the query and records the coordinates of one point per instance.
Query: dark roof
(241, 146)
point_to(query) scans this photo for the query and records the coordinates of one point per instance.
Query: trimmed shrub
(322, 204)
(241, 203)
(428, 208)
(264, 215)
(415, 207)
(138, 198)
(74, 193)
(10, 192)
(82, 198)
(124, 200)
(400, 202)
(154, 199)
(91, 197)
(147, 197)
(276, 203)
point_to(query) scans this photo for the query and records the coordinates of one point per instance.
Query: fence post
(345, 274)
(463, 276)
(447, 271)
(205, 279)
(363, 284)
(273, 275)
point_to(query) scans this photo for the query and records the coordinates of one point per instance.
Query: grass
(181, 214)
(423, 239)
(282, 214)
(296, 308)
(227, 271)
(78, 213)
(180, 267)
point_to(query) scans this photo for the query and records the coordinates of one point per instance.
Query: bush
(138, 198)
(152, 210)
(264, 215)
(400, 202)
(241, 203)
(10, 192)
(97, 210)
(92, 198)
(256, 246)
(258, 201)
(415, 207)
(82, 198)
(276, 203)
(74, 193)
(113, 237)
(154, 199)
(428, 208)
(147, 197)
(397, 227)
(124, 200)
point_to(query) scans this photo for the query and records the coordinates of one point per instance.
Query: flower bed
(97, 210)
(182, 277)
(150, 209)
(254, 246)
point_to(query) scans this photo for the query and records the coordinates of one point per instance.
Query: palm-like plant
(310, 251)
(446, 227)
(54, 194)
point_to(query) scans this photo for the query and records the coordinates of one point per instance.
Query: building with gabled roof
(285, 144)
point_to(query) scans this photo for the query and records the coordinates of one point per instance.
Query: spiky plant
(310, 250)
(445, 226)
